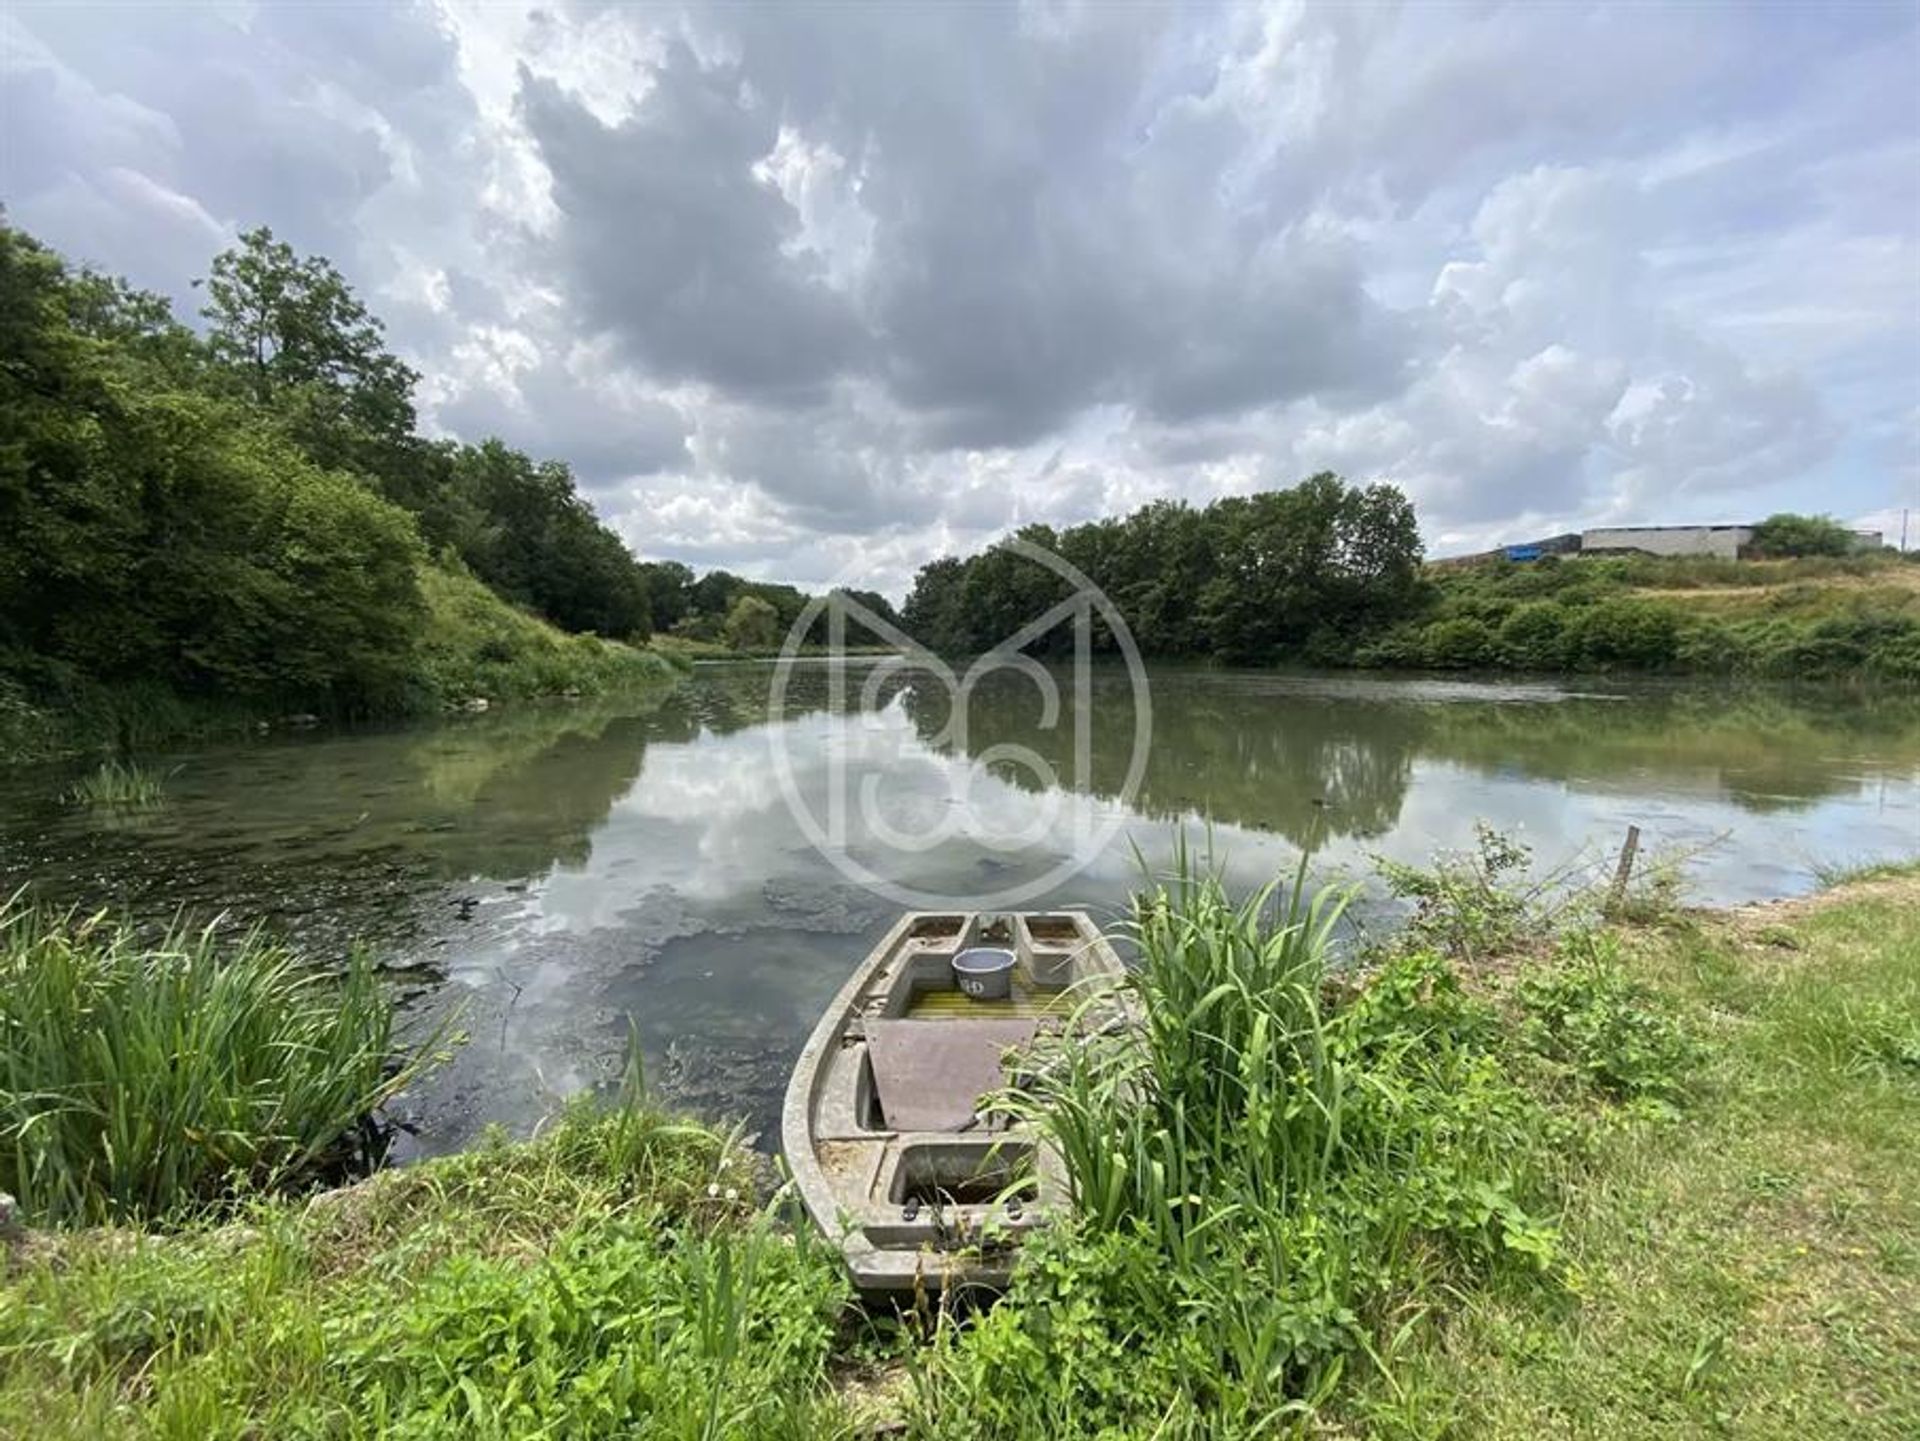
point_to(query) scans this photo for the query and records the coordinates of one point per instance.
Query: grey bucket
(984, 972)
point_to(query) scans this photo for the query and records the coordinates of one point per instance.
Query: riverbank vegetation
(1818, 618)
(1331, 574)
(613, 1277)
(205, 529)
(143, 1079)
(1650, 1177)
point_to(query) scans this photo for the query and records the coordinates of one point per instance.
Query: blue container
(984, 973)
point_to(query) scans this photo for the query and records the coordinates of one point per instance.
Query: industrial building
(1720, 540)
(1726, 541)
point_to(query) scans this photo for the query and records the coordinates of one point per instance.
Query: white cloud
(797, 290)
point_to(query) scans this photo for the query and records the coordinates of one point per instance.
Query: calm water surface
(564, 873)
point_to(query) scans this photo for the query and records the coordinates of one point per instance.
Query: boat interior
(900, 1112)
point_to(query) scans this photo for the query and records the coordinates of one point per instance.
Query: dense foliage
(1785, 536)
(1428, 1197)
(251, 517)
(1285, 574)
(609, 1279)
(1330, 574)
(709, 609)
(1259, 1177)
(1854, 617)
(156, 531)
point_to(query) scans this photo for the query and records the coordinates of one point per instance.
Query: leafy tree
(1785, 535)
(292, 331)
(138, 326)
(160, 534)
(713, 594)
(933, 614)
(752, 624)
(533, 539)
(669, 591)
(1285, 573)
(874, 602)
(288, 334)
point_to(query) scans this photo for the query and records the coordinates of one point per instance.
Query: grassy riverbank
(688, 649)
(1651, 1179)
(1754, 1268)
(1853, 618)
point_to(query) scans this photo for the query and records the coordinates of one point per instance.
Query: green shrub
(1464, 643)
(1585, 1012)
(752, 624)
(1802, 535)
(143, 1080)
(1472, 905)
(1625, 633)
(1534, 636)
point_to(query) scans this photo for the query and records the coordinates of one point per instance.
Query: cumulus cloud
(796, 288)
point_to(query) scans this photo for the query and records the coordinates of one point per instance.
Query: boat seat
(930, 1075)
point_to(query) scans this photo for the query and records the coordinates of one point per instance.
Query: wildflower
(713, 1190)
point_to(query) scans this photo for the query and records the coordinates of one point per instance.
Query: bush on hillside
(475, 644)
(1460, 644)
(1786, 535)
(1625, 634)
(1534, 636)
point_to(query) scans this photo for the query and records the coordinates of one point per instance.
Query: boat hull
(887, 1126)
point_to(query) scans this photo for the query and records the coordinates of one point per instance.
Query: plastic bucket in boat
(985, 973)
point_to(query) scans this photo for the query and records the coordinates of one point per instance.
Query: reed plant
(141, 1079)
(1230, 1076)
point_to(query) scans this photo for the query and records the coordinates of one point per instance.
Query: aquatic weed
(119, 785)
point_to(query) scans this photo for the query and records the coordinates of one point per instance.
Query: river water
(569, 875)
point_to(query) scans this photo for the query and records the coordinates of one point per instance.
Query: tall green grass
(145, 1079)
(1280, 1168)
(476, 644)
(1231, 1075)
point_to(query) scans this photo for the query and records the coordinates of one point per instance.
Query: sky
(819, 293)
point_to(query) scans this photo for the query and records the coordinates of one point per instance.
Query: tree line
(1302, 573)
(248, 510)
(1332, 574)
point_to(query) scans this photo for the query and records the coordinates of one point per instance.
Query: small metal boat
(884, 1128)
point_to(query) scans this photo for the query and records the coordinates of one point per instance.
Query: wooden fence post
(1624, 872)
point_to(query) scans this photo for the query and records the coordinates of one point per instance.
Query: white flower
(713, 1190)
(732, 1195)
